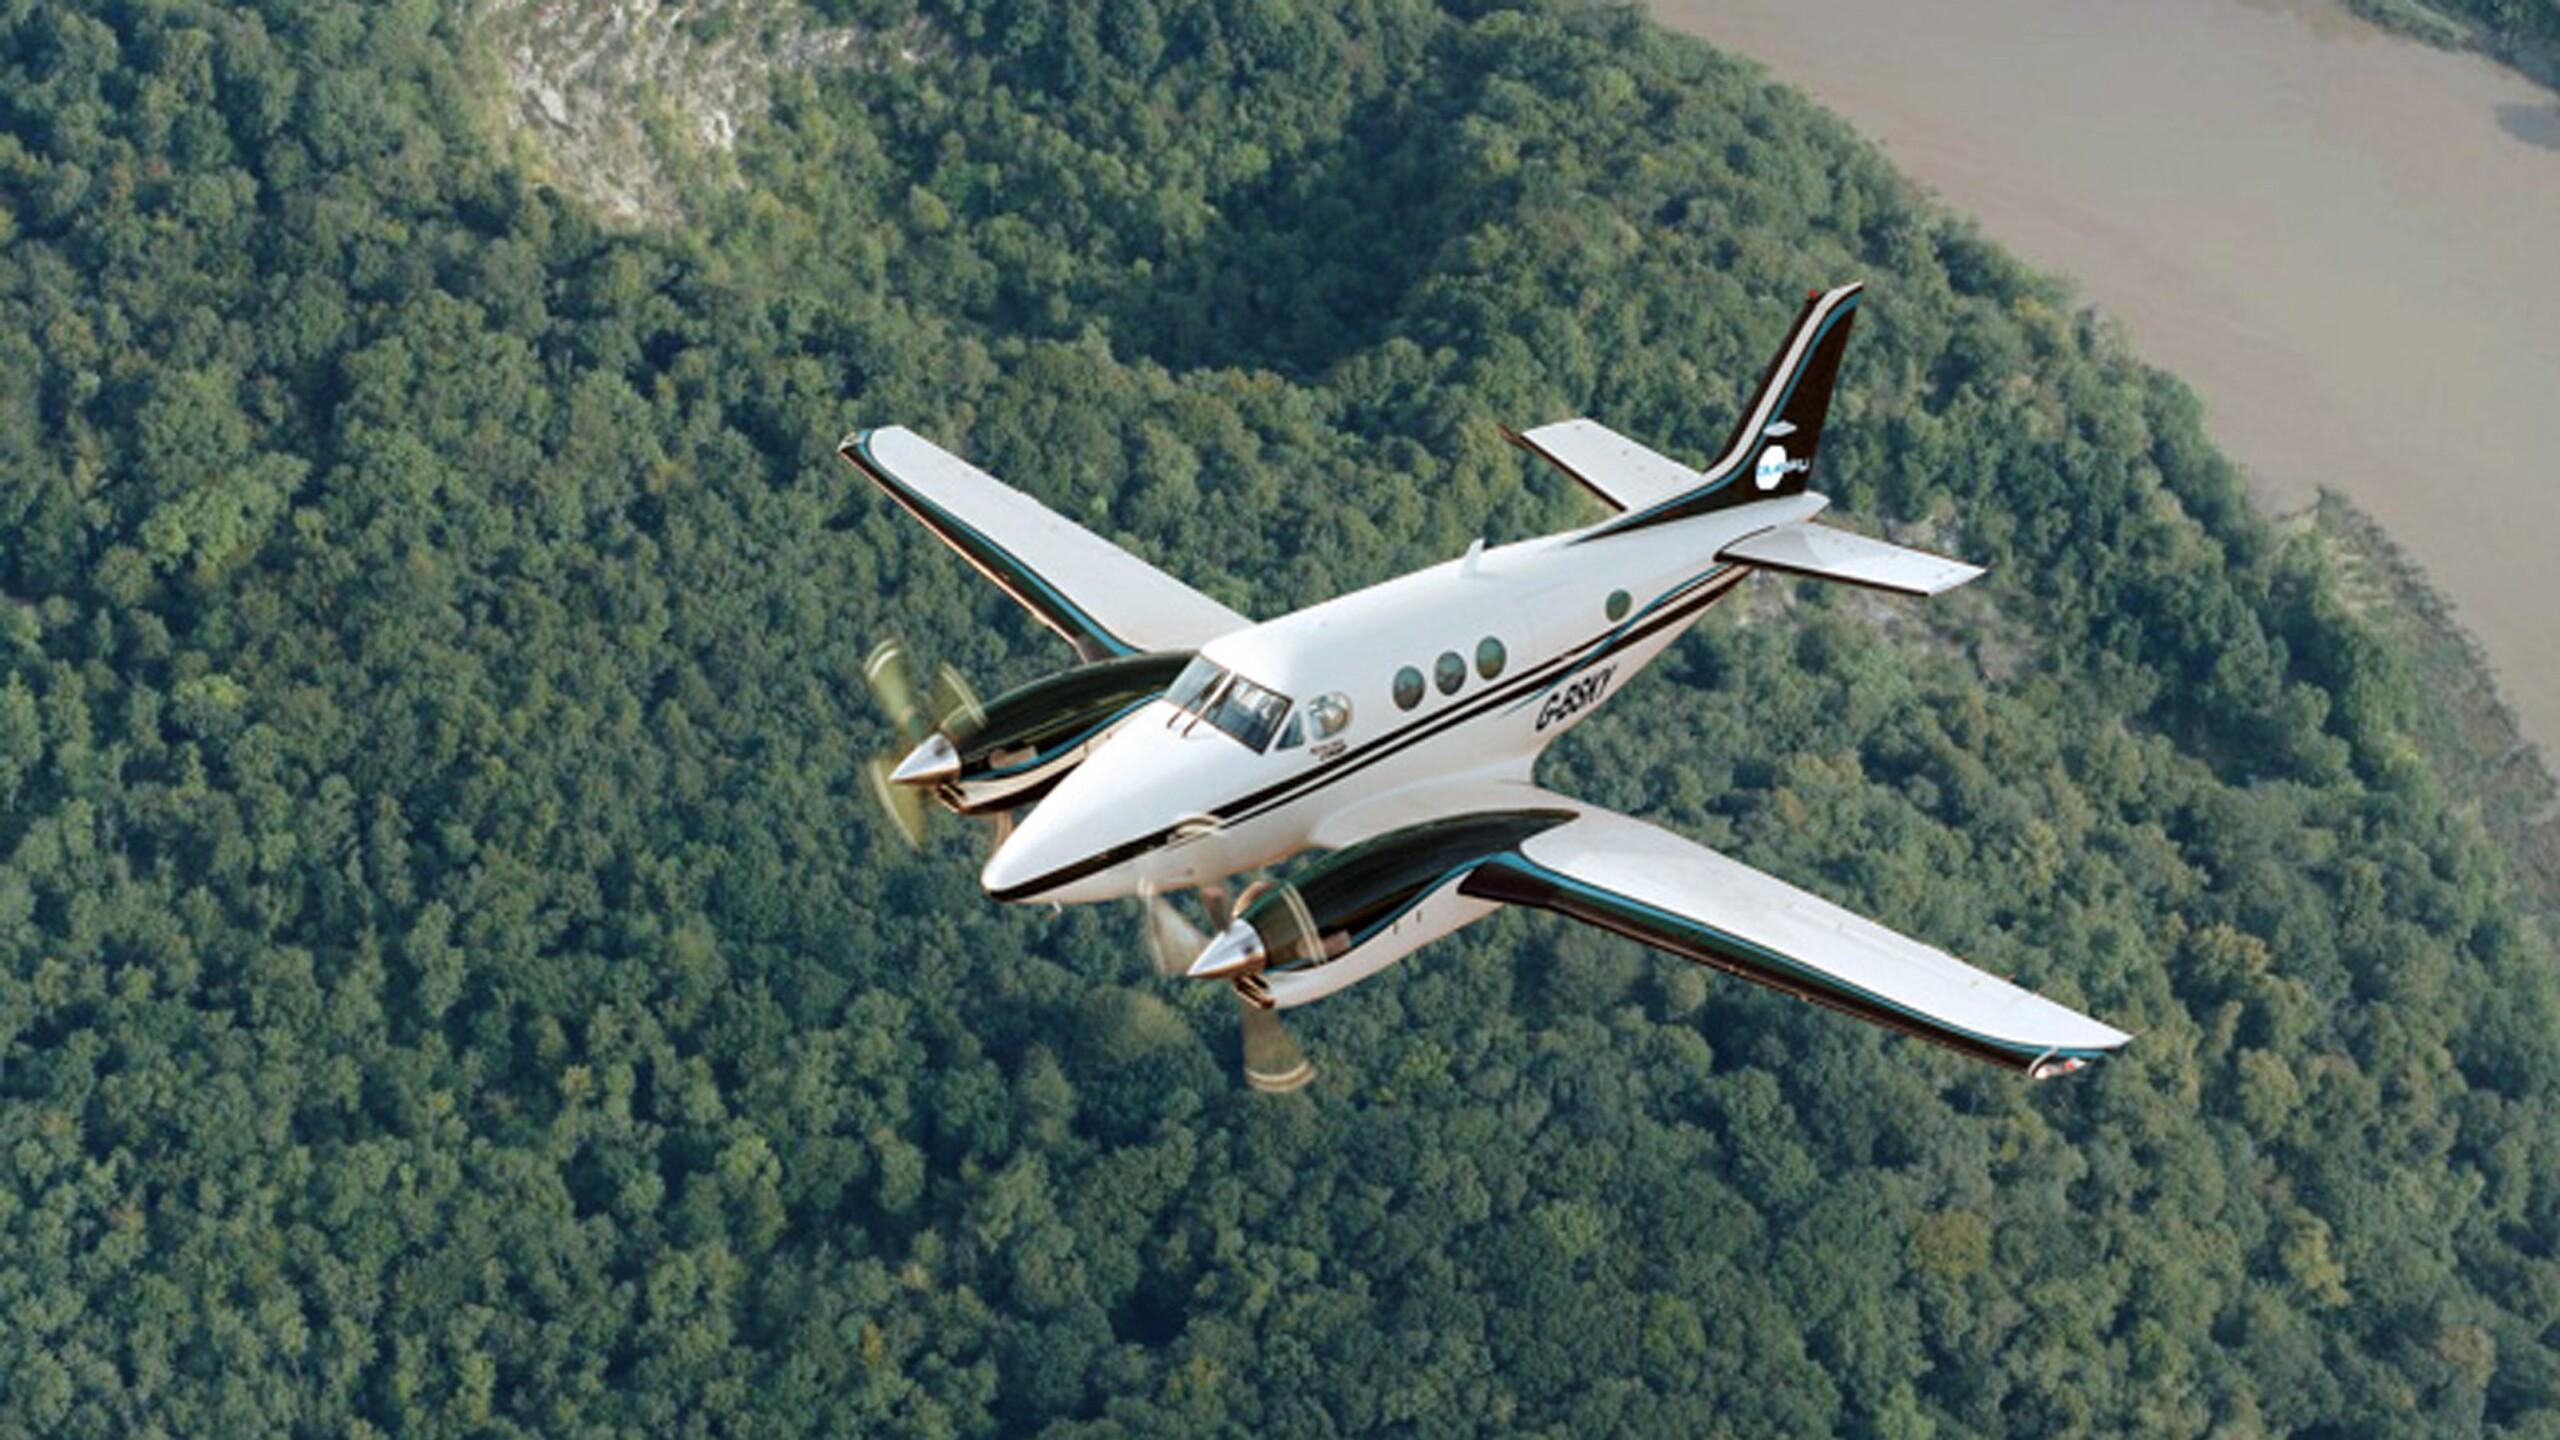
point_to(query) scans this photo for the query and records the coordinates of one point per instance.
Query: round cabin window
(1489, 657)
(1449, 672)
(1408, 688)
(1618, 603)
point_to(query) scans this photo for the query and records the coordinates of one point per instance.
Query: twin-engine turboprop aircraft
(1396, 729)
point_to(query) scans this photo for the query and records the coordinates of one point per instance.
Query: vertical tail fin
(1772, 447)
(1795, 393)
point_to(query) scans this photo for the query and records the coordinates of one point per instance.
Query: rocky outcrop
(616, 96)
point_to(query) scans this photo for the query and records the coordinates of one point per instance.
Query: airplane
(1396, 729)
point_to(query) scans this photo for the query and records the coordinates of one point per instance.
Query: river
(2348, 243)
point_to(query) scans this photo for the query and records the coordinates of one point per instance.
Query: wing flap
(1103, 599)
(1617, 469)
(1644, 882)
(1825, 553)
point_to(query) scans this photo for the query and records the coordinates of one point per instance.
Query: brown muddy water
(2348, 243)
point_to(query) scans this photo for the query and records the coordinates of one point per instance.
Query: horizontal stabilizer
(1609, 464)
(1824, 553)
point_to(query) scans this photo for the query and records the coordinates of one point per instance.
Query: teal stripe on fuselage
(1303, 783)
(1608, 641)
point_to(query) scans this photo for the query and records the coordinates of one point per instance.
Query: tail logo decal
(1774, 467)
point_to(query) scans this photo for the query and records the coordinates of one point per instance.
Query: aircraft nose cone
(1237, 950)
(1044, 843)
(930, 763)
(1007, 870)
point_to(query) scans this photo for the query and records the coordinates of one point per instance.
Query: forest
(2523, 33)
(452, 982)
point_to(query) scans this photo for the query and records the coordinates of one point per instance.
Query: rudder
(1771, 449)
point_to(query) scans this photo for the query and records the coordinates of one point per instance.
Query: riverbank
(2340, 237)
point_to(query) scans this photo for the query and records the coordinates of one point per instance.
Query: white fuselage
(1171, 801)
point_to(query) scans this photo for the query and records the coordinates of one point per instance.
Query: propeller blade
(903, 805)
(1222, 910)
(885, 671)
(1273, 1063)
(961, 715)
(1172, 941)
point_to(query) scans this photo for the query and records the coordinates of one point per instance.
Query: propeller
(1171, 937)
(1273, 1063)
(903, 783)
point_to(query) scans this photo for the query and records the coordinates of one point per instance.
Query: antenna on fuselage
(1475, 552)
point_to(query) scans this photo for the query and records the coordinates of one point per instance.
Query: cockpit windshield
(1208, 691)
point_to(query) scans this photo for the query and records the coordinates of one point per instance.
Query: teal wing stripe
(1092, 640)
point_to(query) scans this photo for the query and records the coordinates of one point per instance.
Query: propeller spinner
(1273, 1063)
(933, 756)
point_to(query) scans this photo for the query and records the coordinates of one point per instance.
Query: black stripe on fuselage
(1714, 584)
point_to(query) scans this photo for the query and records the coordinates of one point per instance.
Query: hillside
(2524, 33)
(451, 982)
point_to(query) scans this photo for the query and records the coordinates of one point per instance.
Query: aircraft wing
(1103, 599)
(1646, 883)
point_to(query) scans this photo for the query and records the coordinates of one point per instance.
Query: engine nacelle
(1008, 752)
(1349, 915)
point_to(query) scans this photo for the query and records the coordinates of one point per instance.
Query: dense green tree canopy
(451, 982)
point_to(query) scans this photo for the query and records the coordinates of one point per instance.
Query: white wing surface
(1644, 882)
(1825, 553)
(1103, 599)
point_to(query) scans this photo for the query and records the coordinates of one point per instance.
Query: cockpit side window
(1252, 714)
(1195, 682)
(1248, 712)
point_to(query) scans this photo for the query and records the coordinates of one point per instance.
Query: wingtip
(865, 443)
(1960, 574)
(2058, 1062)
